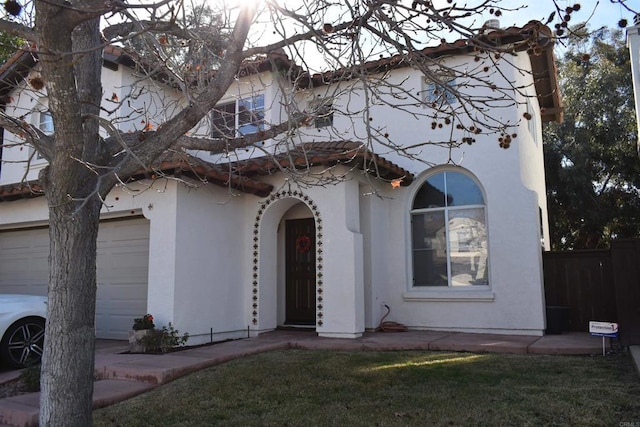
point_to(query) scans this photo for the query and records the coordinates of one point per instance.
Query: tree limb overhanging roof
(21, 190)
(534, 37)
(242, 175)
(14, 71)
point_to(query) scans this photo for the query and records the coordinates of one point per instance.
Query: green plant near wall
(143, 323)
(163, 340)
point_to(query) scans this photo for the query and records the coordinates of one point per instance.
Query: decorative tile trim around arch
(255, 294)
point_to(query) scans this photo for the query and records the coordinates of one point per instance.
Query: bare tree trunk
(73, 85)
(68, 362)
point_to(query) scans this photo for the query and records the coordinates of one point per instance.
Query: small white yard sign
(603, 329)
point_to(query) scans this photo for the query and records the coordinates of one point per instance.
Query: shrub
(163, 340)
(144, 322)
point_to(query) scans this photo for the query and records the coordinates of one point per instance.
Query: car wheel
(23, 343)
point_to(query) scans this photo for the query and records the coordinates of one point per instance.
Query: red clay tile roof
(244, 175)
(17, 67)
(178, 164)
(534, 37)
(13, 71)
(21, 190)
(327, 153)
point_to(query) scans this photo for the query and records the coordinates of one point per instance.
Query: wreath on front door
(303, 243)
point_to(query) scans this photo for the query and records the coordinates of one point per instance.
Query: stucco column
(342, 290)
(161, 213)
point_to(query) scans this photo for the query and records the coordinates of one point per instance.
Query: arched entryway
(287, 265)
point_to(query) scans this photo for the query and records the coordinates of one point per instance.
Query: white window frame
(476, 292)
(46, 126)
(254, 110)
(435, 93)
(322, 109)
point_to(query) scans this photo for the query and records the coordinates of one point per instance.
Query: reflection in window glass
(462, 190)
(429, 254)
(322, 112)
(42, 119)
(449, 238)
(223, 120)
(440, 94)
(242, 117)
(431, 194)
(468, 247)
(45, 123)
(250, 115)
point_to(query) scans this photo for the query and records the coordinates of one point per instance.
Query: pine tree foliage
(591, 159)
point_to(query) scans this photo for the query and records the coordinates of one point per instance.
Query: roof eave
(23, 190)
(14, 71)
(545, 75)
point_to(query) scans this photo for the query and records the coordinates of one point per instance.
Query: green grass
(308, 388)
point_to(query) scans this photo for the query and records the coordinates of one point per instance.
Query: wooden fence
(601, 285)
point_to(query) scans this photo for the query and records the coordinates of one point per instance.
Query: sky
(599, 13)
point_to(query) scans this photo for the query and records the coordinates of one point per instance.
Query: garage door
(123, 264)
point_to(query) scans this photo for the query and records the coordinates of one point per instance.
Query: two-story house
(365, 206)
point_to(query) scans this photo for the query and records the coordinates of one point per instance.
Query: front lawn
(306, 388)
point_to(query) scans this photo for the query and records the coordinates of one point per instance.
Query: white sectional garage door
(123, 264)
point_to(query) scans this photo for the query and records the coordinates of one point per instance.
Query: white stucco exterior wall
(513, 181)
(343, 261)
(198, 258)
(633, 43)
(15, 157)
(202, 266)
(154, 104)
(511, 304)
(375, 226)
(340, 280)
(161, 212)
(212, 263)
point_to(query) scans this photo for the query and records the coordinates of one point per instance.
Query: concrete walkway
(120, 376)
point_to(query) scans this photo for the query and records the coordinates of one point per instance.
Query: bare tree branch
(19, 30)
(226, 145)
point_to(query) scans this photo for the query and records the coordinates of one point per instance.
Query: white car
(22, 319)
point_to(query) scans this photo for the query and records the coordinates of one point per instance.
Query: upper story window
(449, 232)
(243, 116)
(42, 119)
(439, 93)
(45, 122)
(322, 112)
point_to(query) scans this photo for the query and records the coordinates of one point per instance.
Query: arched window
(449, 232)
